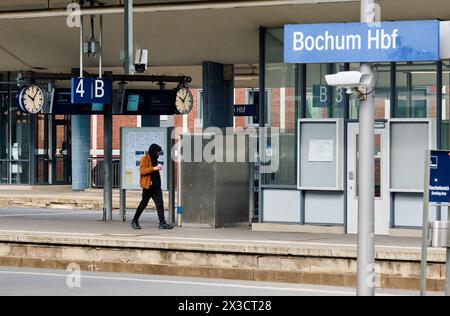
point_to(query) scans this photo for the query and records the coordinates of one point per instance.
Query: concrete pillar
(81, 144)
(218, 92)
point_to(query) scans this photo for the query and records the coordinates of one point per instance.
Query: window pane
(4, 102)
(445, 107)
(323, 101)
(378, 165)
(382, 93)
(416, 90)
(3, 172)
(200, 103)
(19, 173)
(280, 107)
(20, 136)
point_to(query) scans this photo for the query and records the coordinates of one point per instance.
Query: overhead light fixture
(246, 76)
(428, 72)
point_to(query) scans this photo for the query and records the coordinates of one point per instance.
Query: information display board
(439, 180)
(320, 162)
(135, 142)
(408, 139)
(148, 102)
(60, 103)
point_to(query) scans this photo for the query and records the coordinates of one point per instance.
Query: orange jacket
(145, 169)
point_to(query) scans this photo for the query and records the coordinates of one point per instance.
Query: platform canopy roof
(178, 33)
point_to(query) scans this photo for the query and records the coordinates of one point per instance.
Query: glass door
(61, 149)
(43, 152)
(381, 184)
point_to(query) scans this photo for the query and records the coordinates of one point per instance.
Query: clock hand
(32, 98)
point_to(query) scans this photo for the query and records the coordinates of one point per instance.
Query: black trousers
(157, 196)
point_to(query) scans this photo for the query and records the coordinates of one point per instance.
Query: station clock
(31, 99)
(184, 101)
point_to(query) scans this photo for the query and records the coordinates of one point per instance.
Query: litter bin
(438, 234)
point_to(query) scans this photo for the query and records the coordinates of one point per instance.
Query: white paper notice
(321, 150)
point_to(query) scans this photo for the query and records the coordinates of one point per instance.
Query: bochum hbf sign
(361, 42)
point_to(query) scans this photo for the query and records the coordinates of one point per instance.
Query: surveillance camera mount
(361, 92)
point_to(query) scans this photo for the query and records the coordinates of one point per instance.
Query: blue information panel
(245, 110)
(81, 90)
(91, 90)
(359, 42)
(322, 96)
(101, 91)
(439, 177)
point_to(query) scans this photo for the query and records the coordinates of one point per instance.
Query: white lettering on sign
(80, 88)
(439, 188)
(99, 89)
(382, 40)
(323, 94)
(376, 39)
(339, 95)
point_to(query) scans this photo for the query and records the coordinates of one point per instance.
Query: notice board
(409, 138)
(320, 154)
(134, 143)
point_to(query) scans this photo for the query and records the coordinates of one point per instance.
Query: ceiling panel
(184, 38)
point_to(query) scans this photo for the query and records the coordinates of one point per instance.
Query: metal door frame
(382, 204)
(68, 159)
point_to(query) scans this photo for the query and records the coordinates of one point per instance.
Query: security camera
(354, 81)
(348, 79)
(141, 60)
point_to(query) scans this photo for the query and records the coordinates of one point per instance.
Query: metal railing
(96, 173)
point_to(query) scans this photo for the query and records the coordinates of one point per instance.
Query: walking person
(150, 182)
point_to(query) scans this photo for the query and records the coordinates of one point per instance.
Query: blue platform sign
(439, 182)
(91, 90)
(322, 96)
(361, 42)
(101, 91)
(245, 110)
(81, 90)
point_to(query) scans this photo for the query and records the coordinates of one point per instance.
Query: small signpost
(437, 193)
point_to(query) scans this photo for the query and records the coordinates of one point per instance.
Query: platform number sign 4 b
(91, 90)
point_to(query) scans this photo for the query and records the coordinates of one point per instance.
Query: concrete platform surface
(68, 226)
(63, 197)
(47, 238)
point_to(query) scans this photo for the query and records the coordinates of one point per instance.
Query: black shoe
(135, 225)
(165, 226)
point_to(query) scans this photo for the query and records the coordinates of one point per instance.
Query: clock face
(31, 99)
(185, 101)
